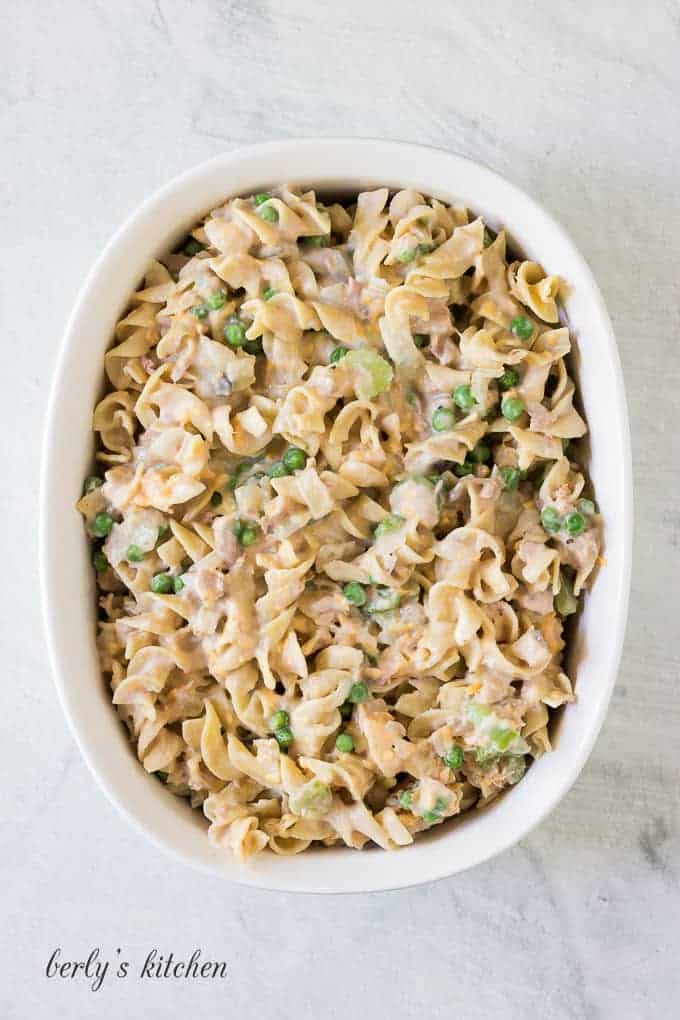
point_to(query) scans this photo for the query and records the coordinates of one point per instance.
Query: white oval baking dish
(332, 166)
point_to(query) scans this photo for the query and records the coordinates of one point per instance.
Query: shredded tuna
(226, 543)
(353, 298)
(209, 585)
(444, 349)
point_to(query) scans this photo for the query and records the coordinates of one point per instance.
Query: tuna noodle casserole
(340, 522)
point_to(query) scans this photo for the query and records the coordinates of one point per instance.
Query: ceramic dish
(332, 167)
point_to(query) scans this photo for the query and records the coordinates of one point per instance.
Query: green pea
(521, 327)
(510, 476)
(337, 354)
(461, 470)
(453, 758)
(480, 453)
(163, 533)
(431, 817)
(358, 692)
(101, 525)
(217, 299)
(192, 247)
(161, 584)
(278, 470)
(261, 197)
(200, 311)
(405, 799)
(317, 241)
(421, 339)
(443, 419)
(512, 408)
(388, 524)
(270, 214)
(268, 293)
(489, 237)
(235, 333)
(509, 379)
(247, 534)
(354, 593)
(279, 720)
(550, 519)
(294, 458)
(134, 554)
(284, 737)
(412, 253)
(574, 523)
(462, 397)
(177, 584)
(344, 743)
(99, 561)
(411, 397)
(586, 506)
(91, 483)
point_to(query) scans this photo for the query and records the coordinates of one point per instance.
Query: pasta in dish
(340, 522)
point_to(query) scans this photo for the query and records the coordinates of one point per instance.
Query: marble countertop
(576, 103)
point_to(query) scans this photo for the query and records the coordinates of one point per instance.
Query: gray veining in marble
(578, 103)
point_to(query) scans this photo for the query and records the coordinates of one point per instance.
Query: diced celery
(388, 524)
(405, 800)
(476, 713)
(502, 737)
(566, 602)
(313, 800)
(384, 601)
(515, 767)
(486, 755)
(372, 374)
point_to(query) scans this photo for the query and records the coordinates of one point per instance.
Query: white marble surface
(578, 103)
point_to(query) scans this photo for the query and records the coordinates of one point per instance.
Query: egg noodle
(340, 522)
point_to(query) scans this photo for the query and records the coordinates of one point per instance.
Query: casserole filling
(340, 519)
